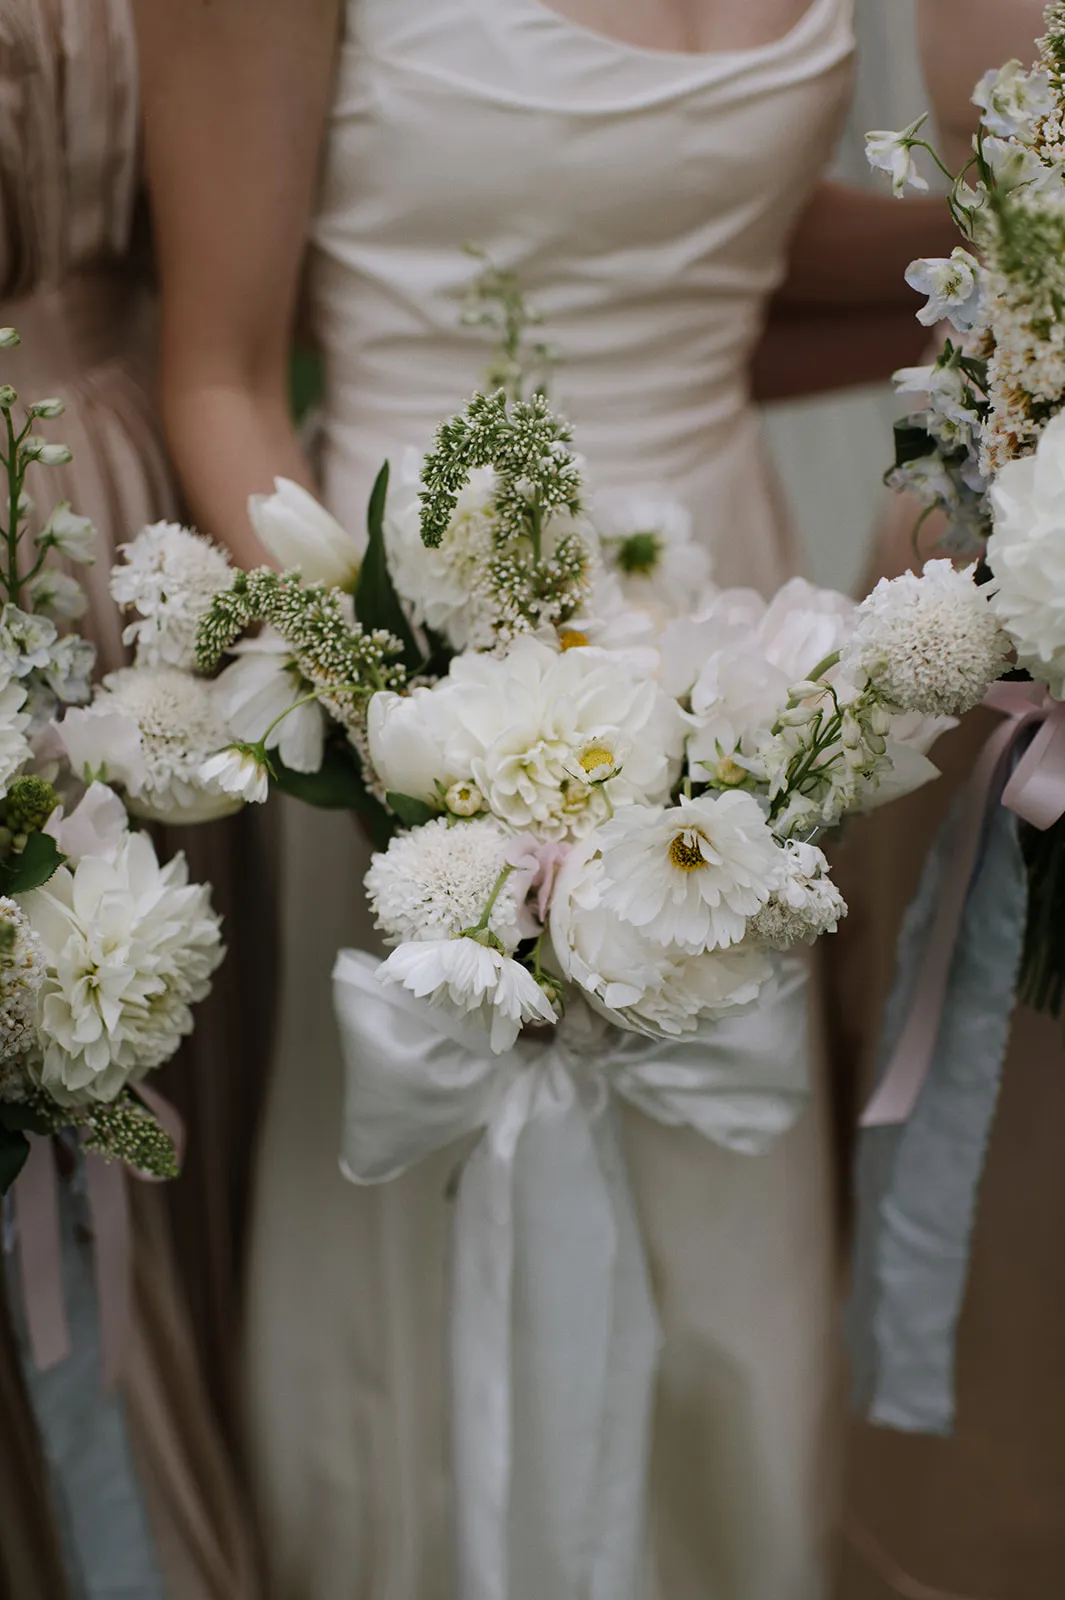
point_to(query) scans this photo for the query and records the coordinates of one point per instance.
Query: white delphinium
(436, 881)
(1013, 100)
(691, 874)
(170, 576)
(952, 285)
(473, 981)
(21, 977)
(69, 671)
(300, 533)
(26, 641)
(72, 535)
(239, 770)
(58, 595)
(445, 586)
(1027, 555)
(531, 730)
(150, 730)
(806, 905)
(263, 697)
(15, 749)
(129, 947)
(890, 151)
(648, 541)
(952, 416)
(1016, 166)
(659, 990)
(930, 643)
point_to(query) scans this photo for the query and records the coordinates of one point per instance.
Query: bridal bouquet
(103, 948)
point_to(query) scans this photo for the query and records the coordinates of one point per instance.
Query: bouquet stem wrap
(554, 1334)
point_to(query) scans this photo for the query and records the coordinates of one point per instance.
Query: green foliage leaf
(37, 863)
(410, 811)
(18, 1116)
(912, 442)
(14, 1149)
(338, 785)
(376, 601)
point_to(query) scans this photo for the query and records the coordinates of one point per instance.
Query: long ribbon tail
(112, 1261)
(40, 1256)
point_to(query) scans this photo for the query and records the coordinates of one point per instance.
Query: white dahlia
(128, 947)
(260, 695)
(659, 990)
(473, 980)
(806, 905)
(445, 586)
(931, 644)
(169, 577)
(1026, 552)
(693, 874)
(437, 881)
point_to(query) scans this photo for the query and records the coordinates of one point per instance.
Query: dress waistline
(72, 329)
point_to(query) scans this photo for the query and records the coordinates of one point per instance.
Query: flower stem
(497, 890)
(295, 706)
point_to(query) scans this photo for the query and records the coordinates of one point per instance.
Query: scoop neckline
(646, 52)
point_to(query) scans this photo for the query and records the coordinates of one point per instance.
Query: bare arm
(235, 98)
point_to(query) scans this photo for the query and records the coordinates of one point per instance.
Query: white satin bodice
(645, 200)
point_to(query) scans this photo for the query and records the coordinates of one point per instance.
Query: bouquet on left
(103, 948)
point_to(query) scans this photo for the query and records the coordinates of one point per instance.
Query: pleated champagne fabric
(644, 199)
(73, 281)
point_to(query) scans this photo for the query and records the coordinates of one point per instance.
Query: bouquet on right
(983, 449)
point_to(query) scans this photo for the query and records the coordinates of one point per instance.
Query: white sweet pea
(299, 532)
(892, 152)
(96, 827)
(952, 285)
(263, 697)
(471, 980)
(1013, 100)
(239, 770)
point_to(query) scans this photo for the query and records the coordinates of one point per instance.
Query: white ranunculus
(300, 533)
(128, 947)
(471, 980)
(888, 151)
(1026, 552)
(97, 826)
(237, 770)
(261, 690)
(690, 875)
(659, 990)
(444, 586)
(169, 576)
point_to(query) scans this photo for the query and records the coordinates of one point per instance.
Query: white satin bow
(554, 1335)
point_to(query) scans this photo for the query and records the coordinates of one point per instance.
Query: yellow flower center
(729, 771)
(594, 757)
(685, 852)
(573, 639)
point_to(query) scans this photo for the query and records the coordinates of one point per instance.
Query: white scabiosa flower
(662, 991)
(931, 643)
(648, 541)
(237, 770)
(169, 577)
(260, 695)
(128, 948)
(806, 905)
(474, 981)
(952, 285)
(300, 533)
(21, 977)
(150, 730)
(436, 882)
(690, 875)
(888, 151)
(1013, 100)
(445, 586)
(1026, 552)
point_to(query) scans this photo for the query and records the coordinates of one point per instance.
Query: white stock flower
(128, 946)
(73, 535)
(445, 585)
(528, 729)
(150, 730)
(952, 285)
(806, 905)
(931, 643)
(648, 540)
(170, 576)
(690, 874)
(888, 151)
(259, 694)
(1026, 553)
(436, 881)
(21, 977)
(471, 980)
(237, 770)
(1013, 100)
(58, 595)
(300, 533)
(659, 990)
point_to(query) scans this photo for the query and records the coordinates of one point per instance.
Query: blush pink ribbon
(40, 1247)
(1034, 789)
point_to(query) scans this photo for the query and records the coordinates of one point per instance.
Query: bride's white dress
(645, 200)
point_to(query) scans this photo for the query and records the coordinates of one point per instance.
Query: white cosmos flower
(471, 979)
(659, 990)
(806, 905)
(169, 577)
(692, 874)
(150, 730)
(1026, 552)
(444, 586)
(237, 770)
(259, 695)
(300, 533)
(128, 947)
(888, 151)
(437, 880)
(648, 541)
(1013, 100)
(952, 285)
(522, 727)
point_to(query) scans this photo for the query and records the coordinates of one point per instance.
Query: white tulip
(299, 532)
